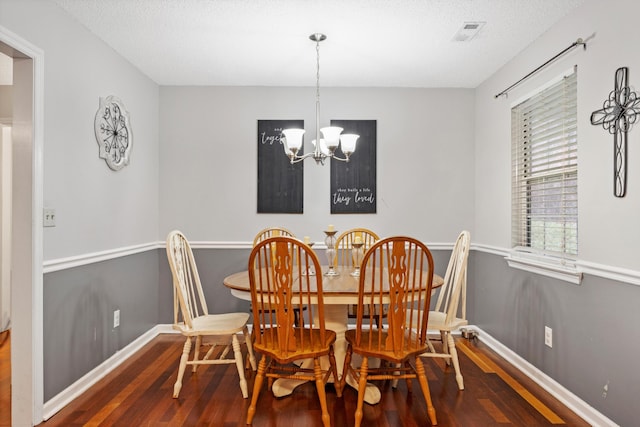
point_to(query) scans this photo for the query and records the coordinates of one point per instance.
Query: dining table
(339, 291)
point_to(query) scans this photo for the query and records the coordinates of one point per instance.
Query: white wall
(608, 226)
(97, 209)
(209, 160)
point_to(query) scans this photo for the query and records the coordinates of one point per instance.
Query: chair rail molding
(619, 274)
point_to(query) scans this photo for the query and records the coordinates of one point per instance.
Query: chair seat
(437, 321)
(312, 347)
(371, 339)
(215, 324)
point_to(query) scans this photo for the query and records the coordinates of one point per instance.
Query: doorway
(27, 107)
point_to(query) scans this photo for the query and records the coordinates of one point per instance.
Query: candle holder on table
(330, 241)
(357, 253)
(310, 271)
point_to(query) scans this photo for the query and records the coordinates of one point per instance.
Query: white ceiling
(370, 43)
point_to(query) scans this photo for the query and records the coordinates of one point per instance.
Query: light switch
(49, 217)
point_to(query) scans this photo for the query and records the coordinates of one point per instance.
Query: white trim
(37, 56)
(631, 277)
(624, 275)
(560, 269)
(494, 250)
(66, 396)
(90, 258)
(219, 245)
(570, 400)
(544, 86)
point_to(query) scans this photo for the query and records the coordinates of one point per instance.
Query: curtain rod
(578, 42)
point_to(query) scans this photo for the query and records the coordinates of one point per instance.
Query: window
(544, 152)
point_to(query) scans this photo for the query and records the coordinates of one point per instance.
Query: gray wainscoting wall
(78, 314)
(595, 330)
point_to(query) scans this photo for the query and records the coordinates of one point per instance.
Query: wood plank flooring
(5, 378)
(139, 393)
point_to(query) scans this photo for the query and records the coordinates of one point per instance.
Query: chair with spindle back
(344, 253)
(192, 318)
(450, 311)
(276, 232)
(271, 232)
(398, 272)
(278, 287)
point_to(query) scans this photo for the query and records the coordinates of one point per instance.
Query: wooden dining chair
(398, 272)
(278, 287)
(271, 232)
(344, 254)
(450, 311)
(276, 232)
(192, 318)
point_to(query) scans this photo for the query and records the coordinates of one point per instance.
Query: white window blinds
(544, 153)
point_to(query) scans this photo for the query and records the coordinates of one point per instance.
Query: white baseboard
(570, 400)
(62, 399)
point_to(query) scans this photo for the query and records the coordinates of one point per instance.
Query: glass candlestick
(357, 253)
(310, 271)
(330, 241)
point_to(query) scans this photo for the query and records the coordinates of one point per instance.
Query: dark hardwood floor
(139, 393)
(5, 378)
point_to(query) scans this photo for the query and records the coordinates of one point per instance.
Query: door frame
(27, 396)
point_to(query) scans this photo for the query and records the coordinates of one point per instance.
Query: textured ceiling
(370, 43)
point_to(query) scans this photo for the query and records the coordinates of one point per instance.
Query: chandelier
(333, 137)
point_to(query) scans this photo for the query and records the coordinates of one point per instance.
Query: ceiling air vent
(468, 31)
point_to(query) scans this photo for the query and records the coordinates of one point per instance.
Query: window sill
(561, 269)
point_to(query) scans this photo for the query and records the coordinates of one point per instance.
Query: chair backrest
(397, 271)
(452, 298)
(188, 298)
(280, 283)
(271, 232)
(344, 245)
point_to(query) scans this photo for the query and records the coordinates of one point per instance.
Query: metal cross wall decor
(618, 113)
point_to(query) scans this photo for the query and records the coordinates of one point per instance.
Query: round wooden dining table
(339, 291)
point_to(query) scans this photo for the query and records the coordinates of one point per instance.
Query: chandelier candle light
(326, 147)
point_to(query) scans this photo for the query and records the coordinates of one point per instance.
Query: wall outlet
(116, 318)
(548, 336)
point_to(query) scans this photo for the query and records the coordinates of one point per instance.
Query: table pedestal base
(335, 319)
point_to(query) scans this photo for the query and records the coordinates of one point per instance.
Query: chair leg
(424, 385)
(394, 382)
(337, 382)
(407, 367)
(257, 385)
(445, 345)
(430, 344)
(196, 353)
(454, 358)
(186, 349)
(322, 396)
(237, 353)
(362, 386)
(251, 355)
(346, 369)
